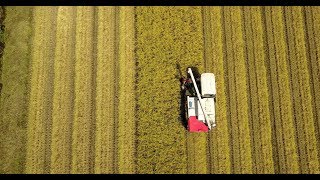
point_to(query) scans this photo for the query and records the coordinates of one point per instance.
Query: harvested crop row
(62, 112)
(166, 37)
(237, 95)
(258, 91)
(219, 161)
(40, 102)
(14, 93)
(300, 90)
(83, 120)
(197, 148)
(197, 153)
(279, 91)
(106, 99)
(127, 119)
(312, 21)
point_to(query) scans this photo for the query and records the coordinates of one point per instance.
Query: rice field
(96, 90)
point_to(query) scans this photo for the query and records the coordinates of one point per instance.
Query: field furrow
(242, 160)
(83, 121)
(280, 92)
(312, 22)
(258, 94)
(106, 94)
(40, 102)
(15, 89)
(219, 137)
(63, 93)
(252, 88)
(127, 105)
(300, 90)
(229, 77)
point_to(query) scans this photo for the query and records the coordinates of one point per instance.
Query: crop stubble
(220, 160)
(62, 110)
(279, 92)
(237, 91)
(40, 106)
(312, 22)
(127, 118)
(300, 90)
(258, 91)
(106, 79)
(83, 101)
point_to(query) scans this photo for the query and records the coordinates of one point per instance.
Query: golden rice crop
(258, 91)
(280, 91)
(82, 157)
(126, 109)
(166, 36)
(96, 89)
(313, 39)
(197, 147)
(106, 113)
(219, 138)
(237, 84)
(40, 106)
(300, 89)
(62, 111)
(197, 153)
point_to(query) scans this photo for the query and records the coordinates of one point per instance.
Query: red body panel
(194, 125)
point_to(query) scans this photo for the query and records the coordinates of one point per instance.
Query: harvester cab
(200, 108)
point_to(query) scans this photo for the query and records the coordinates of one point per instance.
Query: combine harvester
(200, 108)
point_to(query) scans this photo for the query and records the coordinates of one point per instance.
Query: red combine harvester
(200, 108)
